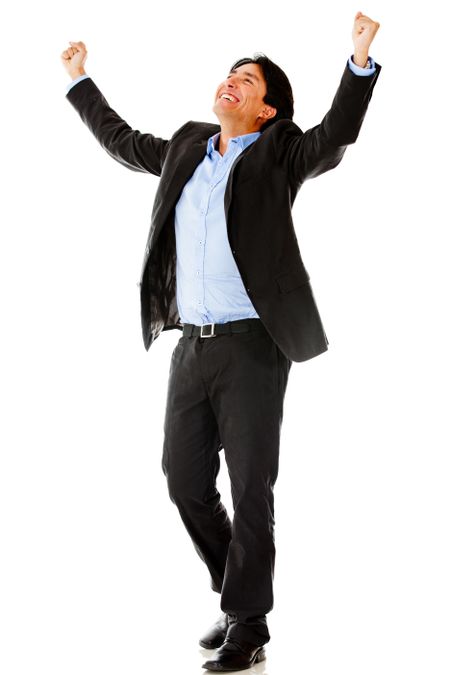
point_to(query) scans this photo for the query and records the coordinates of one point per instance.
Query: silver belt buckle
(211, 334)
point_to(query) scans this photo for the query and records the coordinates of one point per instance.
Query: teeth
(228, 97)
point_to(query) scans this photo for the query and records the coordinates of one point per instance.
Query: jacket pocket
(290, 280)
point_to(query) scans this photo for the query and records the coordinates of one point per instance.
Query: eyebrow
(255, 77)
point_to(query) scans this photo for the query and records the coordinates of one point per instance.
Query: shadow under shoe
(215, 635)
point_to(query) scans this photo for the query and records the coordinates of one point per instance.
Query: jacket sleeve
(321, 148)
(135, 150)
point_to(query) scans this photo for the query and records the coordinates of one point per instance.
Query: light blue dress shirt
(209, 286)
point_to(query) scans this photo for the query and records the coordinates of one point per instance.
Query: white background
(98, 574)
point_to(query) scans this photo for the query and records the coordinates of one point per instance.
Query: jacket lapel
(171, 188)
(229, 186)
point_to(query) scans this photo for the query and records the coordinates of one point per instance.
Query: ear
(267, 113)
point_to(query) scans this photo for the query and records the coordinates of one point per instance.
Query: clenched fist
(364, 31)
(74, 58)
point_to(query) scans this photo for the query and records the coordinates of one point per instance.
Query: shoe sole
(258, 657)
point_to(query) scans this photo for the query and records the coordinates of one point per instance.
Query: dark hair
(279, 90)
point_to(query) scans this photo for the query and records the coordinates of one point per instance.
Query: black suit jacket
(261, 189)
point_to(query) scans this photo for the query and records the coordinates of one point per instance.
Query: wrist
(360, 58)
(76, 73)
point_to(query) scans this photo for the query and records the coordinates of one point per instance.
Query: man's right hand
(73, 59)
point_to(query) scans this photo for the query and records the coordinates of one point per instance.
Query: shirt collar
(243, 141)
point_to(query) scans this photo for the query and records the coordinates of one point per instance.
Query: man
(222, 264)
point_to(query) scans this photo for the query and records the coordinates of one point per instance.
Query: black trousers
(226, 392)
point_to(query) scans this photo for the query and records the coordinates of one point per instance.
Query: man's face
(239, 98)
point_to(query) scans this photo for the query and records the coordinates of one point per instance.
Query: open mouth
(229, 97)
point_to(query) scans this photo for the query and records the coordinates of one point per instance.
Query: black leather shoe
(235, 655)
(216, 634)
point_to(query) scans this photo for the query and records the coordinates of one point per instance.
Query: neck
(230, 130)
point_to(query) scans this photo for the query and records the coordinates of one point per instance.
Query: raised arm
(137, 151)
(309, 154)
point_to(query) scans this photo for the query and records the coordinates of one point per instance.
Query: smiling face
(239, 99)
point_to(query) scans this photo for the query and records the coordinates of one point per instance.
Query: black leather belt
(213, 329)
